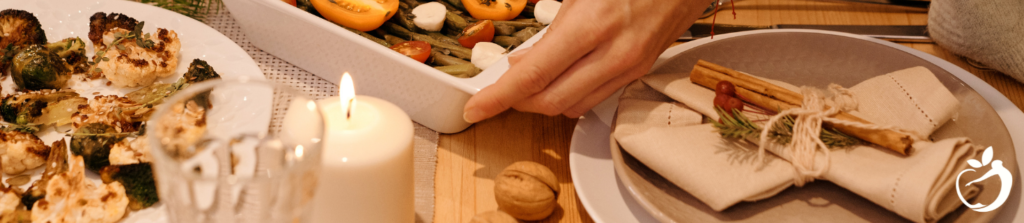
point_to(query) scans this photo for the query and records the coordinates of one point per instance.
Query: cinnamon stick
(773, 97)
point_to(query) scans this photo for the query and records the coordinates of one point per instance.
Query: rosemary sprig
(738, 126)
(196, 9)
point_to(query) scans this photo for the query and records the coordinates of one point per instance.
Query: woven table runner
(280, 71)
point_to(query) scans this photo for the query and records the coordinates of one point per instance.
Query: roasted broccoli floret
(199, 71)
(93, 142)
(56, 162)
(26, 108)
(72, 52)
(18, 29)
(102, 22)
(37, 68)
(137, 180)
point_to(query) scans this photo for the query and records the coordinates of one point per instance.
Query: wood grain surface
(469, 161)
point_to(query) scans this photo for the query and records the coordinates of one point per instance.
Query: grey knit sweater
(988, 31)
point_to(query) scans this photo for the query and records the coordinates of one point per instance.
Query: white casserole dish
(430, 97)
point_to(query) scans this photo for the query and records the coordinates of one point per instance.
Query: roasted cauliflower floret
(70, 197)
(18, 29)
(130, 152)
(9, 202)
(130, 58)
(183, 126)
(21, 151)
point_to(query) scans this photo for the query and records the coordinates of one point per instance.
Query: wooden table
(468, 161)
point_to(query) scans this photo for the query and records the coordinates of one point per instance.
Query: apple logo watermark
(997, 169)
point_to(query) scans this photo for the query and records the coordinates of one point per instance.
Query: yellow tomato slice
(500, 10)
(363, 15)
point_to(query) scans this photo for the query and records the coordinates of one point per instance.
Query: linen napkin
(659, 122)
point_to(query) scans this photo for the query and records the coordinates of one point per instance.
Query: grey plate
(815, 59)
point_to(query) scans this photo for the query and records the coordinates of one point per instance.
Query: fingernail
(472, 115)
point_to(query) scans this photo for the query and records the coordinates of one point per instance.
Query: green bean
(443, 38)
(391, 39)
(402, 18)
(527, 11)
(530, 20)
(411, 3)
(456, 50)
(526, 33)
(462, 70)
(457, 4)
(439, 58)
(507, 41)
(370, 37)
(454, 21)
(519, 24)
(397, 30)
(503, 30)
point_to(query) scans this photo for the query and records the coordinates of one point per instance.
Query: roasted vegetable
(152, 95)
(27, 108)
(121, 113)
(11, 209)
(93, 142)
(462, 70)
(18, 29)
(101, 22)
(21, 151)
(137, 180)
(37, 68)
(199, 71)
(72, 52)
(56, 162)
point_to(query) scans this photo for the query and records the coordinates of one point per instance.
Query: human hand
(592, 49)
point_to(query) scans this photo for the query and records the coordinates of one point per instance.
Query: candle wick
(348, 114)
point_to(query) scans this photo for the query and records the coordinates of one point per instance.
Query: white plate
(70, 18)
(607, 199)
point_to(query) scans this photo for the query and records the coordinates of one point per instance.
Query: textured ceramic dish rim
(1006, 110)
(246, 68)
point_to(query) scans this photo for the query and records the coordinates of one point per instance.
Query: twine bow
(808, 119)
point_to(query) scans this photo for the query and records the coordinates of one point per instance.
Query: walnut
(526, 190)
(493, 217)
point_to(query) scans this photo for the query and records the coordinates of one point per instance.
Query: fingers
(537, 68)
(515, 57)
(602, 93)
(586, 75)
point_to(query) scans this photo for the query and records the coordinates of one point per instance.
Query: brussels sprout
(93, 142)
(37, 68)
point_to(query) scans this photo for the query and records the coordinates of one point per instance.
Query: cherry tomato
(499, 10)
(534, 1)
(480, 31)
(290, 2)
(725, 87)
(417, 50)
(362, 15)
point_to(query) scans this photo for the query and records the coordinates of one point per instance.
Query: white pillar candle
(367, 171)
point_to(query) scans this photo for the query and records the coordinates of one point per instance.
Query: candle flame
(347, 93)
